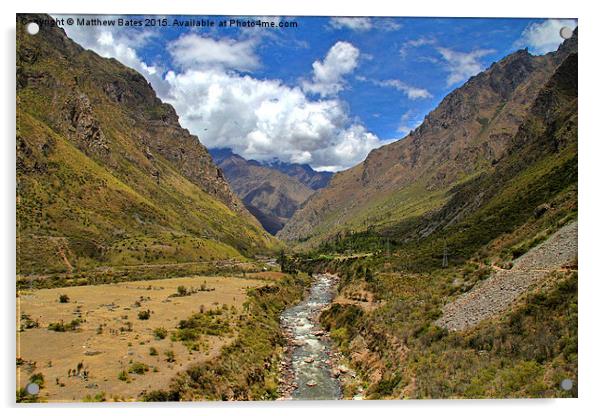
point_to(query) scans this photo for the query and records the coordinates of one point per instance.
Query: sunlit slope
(463, 138)
(105, 173)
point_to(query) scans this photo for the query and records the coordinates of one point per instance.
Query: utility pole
(444, 263)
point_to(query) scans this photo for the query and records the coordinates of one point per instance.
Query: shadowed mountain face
(303, 173)
(105, 173)
(268, 190)
(464, 137)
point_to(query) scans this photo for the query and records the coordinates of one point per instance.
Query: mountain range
(272, 191)
(451, 279)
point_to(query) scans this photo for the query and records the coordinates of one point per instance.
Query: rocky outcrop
(84, 128)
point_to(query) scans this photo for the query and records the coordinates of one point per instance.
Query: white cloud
(192, 50)
(353, 23)
(259, 119)
(413, 93)
(362, 24)
(415, 43)
(328, 75)
(263, 119)
(389, 24)
(461, 65)
(544, 37)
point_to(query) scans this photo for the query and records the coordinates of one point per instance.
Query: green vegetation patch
(247, 369)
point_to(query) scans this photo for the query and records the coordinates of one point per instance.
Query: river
(309, 365)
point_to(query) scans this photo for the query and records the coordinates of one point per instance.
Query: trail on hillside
(497, 293)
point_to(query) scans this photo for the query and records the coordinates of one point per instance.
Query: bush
(153, 351)
(123, 376)
(144, 315)
(162, 396)
(138, 368)
(98, 397)
(24, 397)
(62, 327)
(160, 333)
(37, 378)
(27, 322)
(64, 298)
(171, 357)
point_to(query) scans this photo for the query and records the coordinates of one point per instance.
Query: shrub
(56, 326)
(123, 376)
(24, 397)
(162, 396)
(153, 351)
(144, 315)
(37, 378)
(138, 368)
(64, 298)
(28, 323)
(62, 327)
(98, 397)
(160, 333)
(171, 357)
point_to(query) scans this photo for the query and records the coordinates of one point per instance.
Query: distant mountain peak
(302, 172)
(270, 195)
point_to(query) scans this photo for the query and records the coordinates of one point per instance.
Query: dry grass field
(111, 339)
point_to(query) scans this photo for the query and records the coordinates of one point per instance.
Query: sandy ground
(105, 354)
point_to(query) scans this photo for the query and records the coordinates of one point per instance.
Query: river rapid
(308, 368)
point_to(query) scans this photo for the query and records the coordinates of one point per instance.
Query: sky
(324, 91)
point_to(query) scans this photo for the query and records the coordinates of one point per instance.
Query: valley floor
(467, 331)
(111, 338)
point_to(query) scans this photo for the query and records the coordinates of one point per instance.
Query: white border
(590, 123)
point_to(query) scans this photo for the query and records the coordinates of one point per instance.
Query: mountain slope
(500, 319)
(271, 196)
(105, 173)
(303, 173)
(531, 190)
(462, 138)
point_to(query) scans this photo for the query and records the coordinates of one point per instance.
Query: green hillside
(105, 174)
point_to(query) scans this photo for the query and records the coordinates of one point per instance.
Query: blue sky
(323, 93)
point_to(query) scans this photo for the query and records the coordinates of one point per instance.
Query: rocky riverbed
(308, 368)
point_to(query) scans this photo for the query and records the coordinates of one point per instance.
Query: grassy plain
(120, 352)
